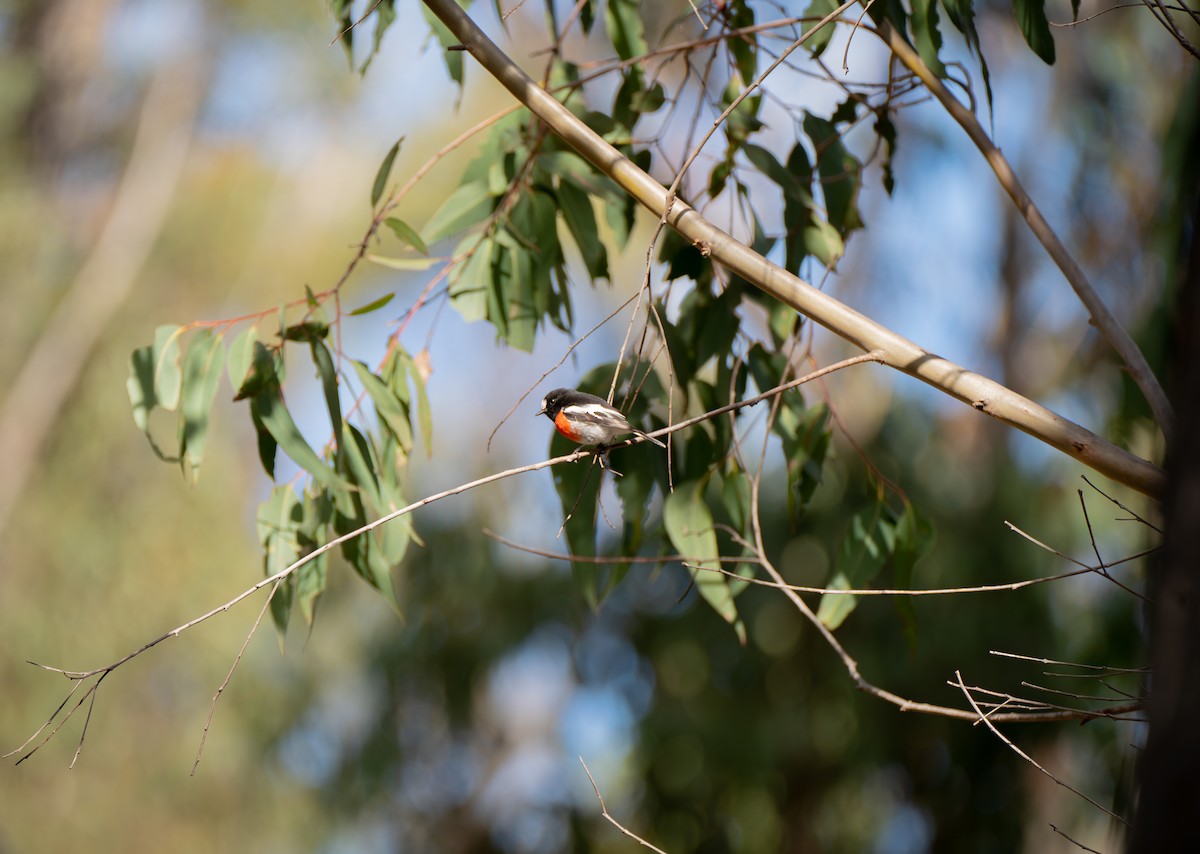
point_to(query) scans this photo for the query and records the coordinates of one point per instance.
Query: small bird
(588, 419)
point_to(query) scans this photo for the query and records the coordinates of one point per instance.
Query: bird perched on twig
(587, 419)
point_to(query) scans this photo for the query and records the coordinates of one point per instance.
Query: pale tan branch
(980, 392)
(1101, 316)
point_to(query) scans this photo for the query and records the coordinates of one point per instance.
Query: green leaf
(407, 264)
(743, 121)
(513, 312)
(327, 371)
(885, 129)
(817, 10)
(1031, 17)
(841, 174)
(313, 532)
(835, 608)
(447, 39)
(578, 488)
(241, 356)
(865, 548)
(766, 162)
(648, 100)
(471, 282)
(201, 374)
(385, 16)
(924, 24)
(624, 23)
(424, 412)
(391, 411)
(271, 411)
(267, 446)
(407, 234)
(735, 495)
(689, 525)
(155, 378)
(914, 537)
(469, 205)
(580, 218)
(822, 241)
(312, 329)
(373, 305)
(385, 169)
(266, 368)
(278, 521)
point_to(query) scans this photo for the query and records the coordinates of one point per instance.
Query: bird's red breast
(564, 426)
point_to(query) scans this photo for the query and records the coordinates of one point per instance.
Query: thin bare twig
(228, 676)
(604, 812)
(987, 720)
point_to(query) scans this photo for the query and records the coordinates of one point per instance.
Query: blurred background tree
(169, 161)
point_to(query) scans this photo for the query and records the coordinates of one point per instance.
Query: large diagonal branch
(1101, 315)
(980, 392)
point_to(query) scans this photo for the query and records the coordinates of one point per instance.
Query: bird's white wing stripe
(594, 413)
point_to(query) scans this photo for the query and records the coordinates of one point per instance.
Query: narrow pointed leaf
(385, 169)
(202, 367)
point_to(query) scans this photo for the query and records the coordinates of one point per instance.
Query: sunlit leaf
(469, 205)
(155, 377)
(202, 367)
(241, 356)
(410, 264)
(391, 411)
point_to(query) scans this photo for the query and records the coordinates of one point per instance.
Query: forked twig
(986, 719)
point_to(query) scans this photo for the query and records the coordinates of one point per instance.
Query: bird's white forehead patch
(544, 403)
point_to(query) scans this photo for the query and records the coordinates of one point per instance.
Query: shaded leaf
(385, 168)
(624, 22)
(407, 234)
(269, 408)
(817, 10)
(278, 521)
(580, 218)
(689, 524)
(1031, 17)
(928, 40)
(373, 305)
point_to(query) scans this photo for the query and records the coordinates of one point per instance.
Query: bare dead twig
(221, 690)
(608, 816)
(987, 719)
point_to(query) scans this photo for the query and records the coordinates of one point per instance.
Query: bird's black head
(553, 402)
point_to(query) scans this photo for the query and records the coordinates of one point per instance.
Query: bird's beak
(541, 411)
